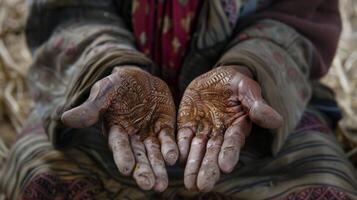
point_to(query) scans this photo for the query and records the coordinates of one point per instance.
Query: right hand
(139, 114)
(214, 118)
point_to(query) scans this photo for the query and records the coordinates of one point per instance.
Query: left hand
(214, 118)
(138, 113)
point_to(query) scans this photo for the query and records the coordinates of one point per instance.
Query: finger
(88, 113)
(169, 148)
(209, 171)
(184, 138)
(197, 151)
(120, 145)
(157, 163)
(194, 161)
(186, 125)
(143, 173)
(265, 116)
(259, 112)
(234, 139)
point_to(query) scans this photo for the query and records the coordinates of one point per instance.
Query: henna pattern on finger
(137, 102)
(210, 105)
(210, 98)
(213, 122)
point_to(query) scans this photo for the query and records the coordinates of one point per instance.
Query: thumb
(249, 93)
(88, 113)
(265, 116)
(82, 116)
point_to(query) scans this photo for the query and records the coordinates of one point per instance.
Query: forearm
(75, 43)
(281, 60)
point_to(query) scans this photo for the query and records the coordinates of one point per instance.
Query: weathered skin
(139, 115)
(214, 119)
(138, 112)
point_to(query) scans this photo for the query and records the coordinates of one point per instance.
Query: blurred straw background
(15, 102)
(342, 78)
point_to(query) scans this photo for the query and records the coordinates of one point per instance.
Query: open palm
(214, 119)
(139, 116)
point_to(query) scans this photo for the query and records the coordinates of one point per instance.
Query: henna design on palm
(139, 114)
(214, 118)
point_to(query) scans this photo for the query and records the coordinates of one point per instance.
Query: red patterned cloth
(48, 186)
(162, 30)
(318, 192)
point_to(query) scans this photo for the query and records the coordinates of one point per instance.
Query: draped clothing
(287, 45)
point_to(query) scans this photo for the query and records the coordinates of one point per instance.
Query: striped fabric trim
(3, 151)
(31, 155)
(308, 158)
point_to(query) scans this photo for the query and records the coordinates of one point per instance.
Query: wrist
(241, 69)
(127, 67)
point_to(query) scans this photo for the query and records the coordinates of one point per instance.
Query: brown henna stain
(138, 101)
(208, 98)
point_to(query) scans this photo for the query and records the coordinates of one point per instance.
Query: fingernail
(144, 182)
(190, 181)
(160, 186)
(126, 171)
(171, 157)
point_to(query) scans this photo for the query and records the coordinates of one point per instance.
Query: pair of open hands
(139, 116)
